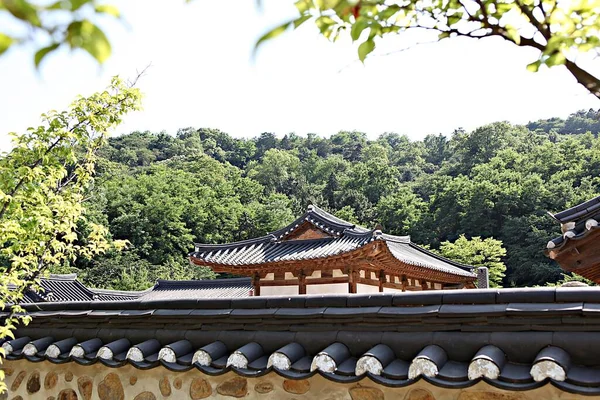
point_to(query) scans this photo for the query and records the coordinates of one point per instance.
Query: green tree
(43, 181)
(478, 253)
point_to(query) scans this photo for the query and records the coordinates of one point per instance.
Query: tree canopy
(44, 181)
(163, 192)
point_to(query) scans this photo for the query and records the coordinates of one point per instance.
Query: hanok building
(319, 253)
(578, 248)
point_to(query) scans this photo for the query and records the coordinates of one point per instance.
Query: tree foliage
(558, 30)
(163, 192)
(478, 253)
(59, 23)
(43, 182)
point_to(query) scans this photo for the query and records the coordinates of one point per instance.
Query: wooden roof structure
(319, 248)
(578, 248)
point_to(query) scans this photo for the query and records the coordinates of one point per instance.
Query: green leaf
(86, 35)
(108, 9)
(557, 58)
(77, 4)
(534, 66)
(41, 53)
(357, 28)
(23, 10)
(273, 33)
(301, 20)
(513, 34)
(303, 5)
(365, 48)
(5, 42)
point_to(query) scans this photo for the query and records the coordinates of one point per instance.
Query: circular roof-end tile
(237, 360)
(569, 234)
(428, 362)
(135, 354)
(279, 361)
(202, 357)
(487, 363)
(551, 245)
(105, 353)
(483, 368)
(52, 351)
(76, 351)
(329, 359)
(8, 349)
(30, 349)
(567, 226)
(368, 364)
(591, 223)
(382, 353)
(323, 362)
(209, 353)
(422, 366)
(283, 358)
(548, 369)
(167, 354)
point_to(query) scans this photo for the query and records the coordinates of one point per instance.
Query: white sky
(203, 75)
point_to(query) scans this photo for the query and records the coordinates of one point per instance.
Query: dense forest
(163, 192)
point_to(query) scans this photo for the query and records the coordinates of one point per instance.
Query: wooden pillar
(424, 284)
(352, 278)
(256, 284)
(404, 282)
(301, 282)
(381, 280)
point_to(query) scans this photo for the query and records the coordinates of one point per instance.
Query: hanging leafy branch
(42, 185)
(559, 30)
(60, 23)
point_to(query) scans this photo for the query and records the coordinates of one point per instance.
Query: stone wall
(70, 381)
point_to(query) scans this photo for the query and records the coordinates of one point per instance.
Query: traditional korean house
(319, 253)
(578, 248)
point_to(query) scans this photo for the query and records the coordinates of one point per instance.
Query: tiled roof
(514, 339)
(66, 288)
(345, 237)
(576, 222)
(172, 290)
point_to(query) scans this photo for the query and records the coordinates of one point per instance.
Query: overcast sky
(203, 75)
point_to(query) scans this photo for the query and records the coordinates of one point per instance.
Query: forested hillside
(162, 192)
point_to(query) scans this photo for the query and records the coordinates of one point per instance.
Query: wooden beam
(280, 282)
(366, 281)
(327, 273)
(326, 281)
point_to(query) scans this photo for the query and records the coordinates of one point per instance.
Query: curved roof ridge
(196, 283)
(466, 267)
(396, 238)
(62, 277)
(579, 211)
(116, 292)
(267, 238)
